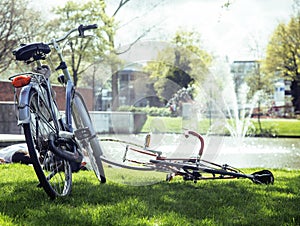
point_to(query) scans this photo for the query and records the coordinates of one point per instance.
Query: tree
(179, 65)
(283, 55)
(82, 51)
(18, 24)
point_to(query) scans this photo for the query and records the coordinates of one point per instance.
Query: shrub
(152, 111)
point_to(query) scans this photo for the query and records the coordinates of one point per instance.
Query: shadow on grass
(237, 202)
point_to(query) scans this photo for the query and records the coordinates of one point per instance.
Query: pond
(260, 152)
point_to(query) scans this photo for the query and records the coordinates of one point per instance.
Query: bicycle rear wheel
(54, 173)
(87, 138)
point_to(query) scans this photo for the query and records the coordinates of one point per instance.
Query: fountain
(227, 103)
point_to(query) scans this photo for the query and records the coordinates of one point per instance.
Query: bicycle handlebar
(80, 29)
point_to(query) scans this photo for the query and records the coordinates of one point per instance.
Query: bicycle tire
(54, 173)
(89, 144)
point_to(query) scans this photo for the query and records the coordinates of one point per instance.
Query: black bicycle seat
(32, 52)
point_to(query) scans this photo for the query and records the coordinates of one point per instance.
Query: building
(135, 89)
(8, 110)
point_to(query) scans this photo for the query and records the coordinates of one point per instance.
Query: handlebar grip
(83, 28)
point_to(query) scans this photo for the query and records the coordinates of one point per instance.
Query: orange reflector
(20, 81)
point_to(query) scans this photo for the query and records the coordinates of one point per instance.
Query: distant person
(17, 153)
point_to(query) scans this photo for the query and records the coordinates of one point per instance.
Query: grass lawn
(282, 127)
(227, 202)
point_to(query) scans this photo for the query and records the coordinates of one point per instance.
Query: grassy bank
(228, 202)
(280, 127)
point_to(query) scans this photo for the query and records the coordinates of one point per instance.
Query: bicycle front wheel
(88, 140)
(54, 173)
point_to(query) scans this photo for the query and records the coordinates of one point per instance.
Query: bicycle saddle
(31, 52)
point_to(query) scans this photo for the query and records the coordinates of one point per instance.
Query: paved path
(9, 139)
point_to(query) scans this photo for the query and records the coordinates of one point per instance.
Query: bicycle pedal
(82, 133)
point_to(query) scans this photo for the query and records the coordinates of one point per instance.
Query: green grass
(282, 127)
(227, 202)
(170, 124)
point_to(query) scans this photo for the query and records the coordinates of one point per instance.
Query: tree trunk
(258, 118)
(115, 89)
(295, 91)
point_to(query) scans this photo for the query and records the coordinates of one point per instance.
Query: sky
(225, 31)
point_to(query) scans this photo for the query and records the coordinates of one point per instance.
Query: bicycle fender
(23, 108)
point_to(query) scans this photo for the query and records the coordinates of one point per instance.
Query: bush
(152, 111)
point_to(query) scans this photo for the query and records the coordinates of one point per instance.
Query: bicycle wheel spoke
(54, 171)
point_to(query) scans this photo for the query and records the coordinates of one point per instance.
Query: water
(269, 153)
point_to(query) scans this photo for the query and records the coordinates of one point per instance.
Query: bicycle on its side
(56, 142)
(190, 168)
